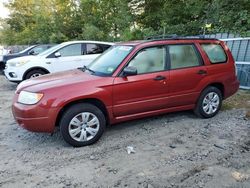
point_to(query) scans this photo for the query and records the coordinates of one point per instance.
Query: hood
(65, 78)
(23, 58)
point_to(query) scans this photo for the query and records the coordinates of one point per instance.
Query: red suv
(130, 80)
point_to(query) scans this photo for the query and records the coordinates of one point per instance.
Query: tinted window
(71, 50)
(105, 47)
(149, 60)
(94, 49)
(214, 52)
(183, 56)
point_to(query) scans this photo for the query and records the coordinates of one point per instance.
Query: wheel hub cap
(35, 75)
(84, 127)
(211, 103)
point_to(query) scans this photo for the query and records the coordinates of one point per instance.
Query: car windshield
(108, 62)
(26, 49)
(52, 49)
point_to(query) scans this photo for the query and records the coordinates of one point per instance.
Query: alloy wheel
(83, 127)
(211, 103)
(35, 75)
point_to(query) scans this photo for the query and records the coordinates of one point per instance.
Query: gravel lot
(173, 150)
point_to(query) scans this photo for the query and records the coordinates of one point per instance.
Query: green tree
(105, 20)
(43, 21)
(229, 15)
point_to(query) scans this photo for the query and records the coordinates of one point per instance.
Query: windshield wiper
(86, 68)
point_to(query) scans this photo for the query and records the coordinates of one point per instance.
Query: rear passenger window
(94, 49)
(182, 56)
(215, 53)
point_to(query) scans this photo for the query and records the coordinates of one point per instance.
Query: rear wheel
(82, 124)
(34, 73)
(209, 102)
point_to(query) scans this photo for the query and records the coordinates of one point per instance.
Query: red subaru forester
(130, 80)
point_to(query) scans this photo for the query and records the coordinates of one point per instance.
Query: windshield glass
(107, 63)
(50, 50)
(26, 49)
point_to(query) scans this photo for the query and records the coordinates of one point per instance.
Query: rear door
(91, 51)
(187, 72)
(145, 91)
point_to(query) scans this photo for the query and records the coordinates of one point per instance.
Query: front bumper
(35, 118)
(13, 74)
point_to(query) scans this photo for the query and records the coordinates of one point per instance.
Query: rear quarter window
(105, 47)
(215, 53)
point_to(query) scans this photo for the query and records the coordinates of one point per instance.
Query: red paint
(124, 98)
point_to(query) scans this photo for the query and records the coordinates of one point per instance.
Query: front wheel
(34, 73)
(82, 124)
(209, 102)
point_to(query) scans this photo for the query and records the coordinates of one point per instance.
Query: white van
(65, 56)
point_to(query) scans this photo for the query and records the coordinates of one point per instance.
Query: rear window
(215, 53)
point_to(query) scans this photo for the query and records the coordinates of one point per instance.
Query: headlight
(26, 97)
(17, 64)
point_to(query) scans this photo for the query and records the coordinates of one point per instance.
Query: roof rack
(176, 37)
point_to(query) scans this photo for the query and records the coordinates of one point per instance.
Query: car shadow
(44, 140)
(167, 118)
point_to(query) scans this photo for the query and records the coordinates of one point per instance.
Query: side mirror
(31, 52)
(129, 71)
(57, 54)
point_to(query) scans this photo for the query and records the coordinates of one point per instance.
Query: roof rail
(176, 37)
(162, 37)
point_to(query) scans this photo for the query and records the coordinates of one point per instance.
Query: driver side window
(71, 50)
(149, 60)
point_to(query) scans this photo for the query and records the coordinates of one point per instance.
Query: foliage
(55, 21)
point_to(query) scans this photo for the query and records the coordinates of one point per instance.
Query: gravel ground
(173, 150)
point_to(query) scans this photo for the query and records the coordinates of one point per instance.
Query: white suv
(65, 56)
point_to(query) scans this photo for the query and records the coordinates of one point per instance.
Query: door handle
(48, 62)
(160, 78)
(202, 72)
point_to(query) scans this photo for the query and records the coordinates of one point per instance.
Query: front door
(70, 58)
(147, 91)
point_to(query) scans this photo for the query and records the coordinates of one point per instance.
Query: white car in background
(65, 56)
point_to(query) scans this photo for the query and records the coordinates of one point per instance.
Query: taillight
(235, 69)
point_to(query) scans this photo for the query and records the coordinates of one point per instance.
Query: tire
(34, 73)
(2, 66)
(82, 133)
(209, 102)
